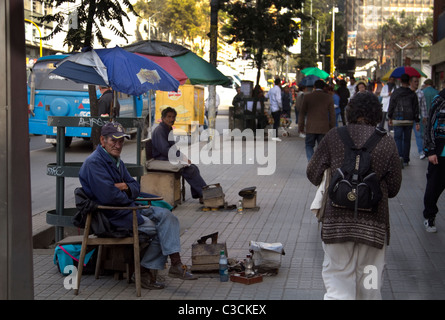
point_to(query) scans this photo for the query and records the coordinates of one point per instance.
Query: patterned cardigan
(339, 224)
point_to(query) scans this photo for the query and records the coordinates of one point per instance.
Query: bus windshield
(44, 80)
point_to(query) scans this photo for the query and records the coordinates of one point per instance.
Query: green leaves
(93, 17)
(262, 25)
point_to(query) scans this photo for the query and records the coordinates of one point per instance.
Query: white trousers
(353, 271)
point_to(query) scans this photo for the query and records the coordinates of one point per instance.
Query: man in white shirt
(351, 87)
(274, 96)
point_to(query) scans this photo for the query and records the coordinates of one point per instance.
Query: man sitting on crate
(162, 146)
(106, 181)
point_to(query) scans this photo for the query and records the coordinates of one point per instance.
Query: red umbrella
(412, 72)
(169, 65)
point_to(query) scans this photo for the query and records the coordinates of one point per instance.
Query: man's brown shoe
(148, 280)
(180, 271)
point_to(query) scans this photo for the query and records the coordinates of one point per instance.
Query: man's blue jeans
(164, 227)
(419, 138)
(310, 140)
(402, 136)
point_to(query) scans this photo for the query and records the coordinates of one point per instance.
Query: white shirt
(385, 94)
(351, 88)
(274, 96)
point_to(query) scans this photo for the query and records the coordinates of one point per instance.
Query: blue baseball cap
(115, 130)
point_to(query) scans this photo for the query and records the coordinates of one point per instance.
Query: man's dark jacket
(404, 105)
(104, 104)
(98, 175)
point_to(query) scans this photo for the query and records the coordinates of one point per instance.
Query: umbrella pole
(113, 103)
(149, 113)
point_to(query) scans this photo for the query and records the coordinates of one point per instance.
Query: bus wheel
(68, 141)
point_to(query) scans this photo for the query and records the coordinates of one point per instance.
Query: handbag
(318, 205)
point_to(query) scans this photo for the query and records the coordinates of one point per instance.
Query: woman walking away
(354, 244)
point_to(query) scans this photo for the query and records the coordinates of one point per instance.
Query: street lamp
(40, 34)
(401, 51)
(334, 10)
(149, 24)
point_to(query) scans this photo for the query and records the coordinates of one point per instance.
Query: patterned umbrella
(397, 73)
(123, 71)
(196, 69)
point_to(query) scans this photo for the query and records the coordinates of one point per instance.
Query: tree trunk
(94, 112)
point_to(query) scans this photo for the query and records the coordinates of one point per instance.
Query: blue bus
(52, 95)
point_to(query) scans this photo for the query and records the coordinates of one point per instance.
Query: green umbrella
(197, 70)
(200, 71)
(315, 72)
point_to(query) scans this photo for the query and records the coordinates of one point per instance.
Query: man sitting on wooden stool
(162, 146)
(106, 181)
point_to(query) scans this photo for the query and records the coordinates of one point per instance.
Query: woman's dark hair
(167, 110)
(364, 107)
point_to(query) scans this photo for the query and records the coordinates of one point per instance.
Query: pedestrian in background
(105, 102)
(385, 94)
(434, 140)
(430, 93)
(403, 111)
(238, 98)
(360, 87)
(286, 100)
(353, 244)
(344, 95)
(414, 85)
(258, 98)
(317, 116)
(330, 89)
(274, 96)
(351, 87)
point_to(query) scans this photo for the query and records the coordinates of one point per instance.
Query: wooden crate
(250, 203)
(163, 184)
(205, 256)
(213, 196)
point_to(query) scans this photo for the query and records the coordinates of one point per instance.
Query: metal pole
(16, 260)
(60, 180)
(214, 6)
(332, 41)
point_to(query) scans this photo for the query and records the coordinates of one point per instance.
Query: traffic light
(324, 47)
(321, 48)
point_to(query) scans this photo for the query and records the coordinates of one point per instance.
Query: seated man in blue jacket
(106, 181)
(162, 146)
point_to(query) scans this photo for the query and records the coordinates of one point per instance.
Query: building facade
(363, 17)
(437, 57)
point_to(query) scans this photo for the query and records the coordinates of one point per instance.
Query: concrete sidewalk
(415, 259)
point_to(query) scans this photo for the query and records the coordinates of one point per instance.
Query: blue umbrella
(123, 71)
(308, 81)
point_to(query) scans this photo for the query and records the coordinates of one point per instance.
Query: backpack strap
(369, 144)
(374, 139)
(346, 138)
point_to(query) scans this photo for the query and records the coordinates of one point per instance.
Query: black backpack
(355, 185)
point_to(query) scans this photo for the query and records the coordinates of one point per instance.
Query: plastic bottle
(240, 207)
(223, 268)
(249, 265)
